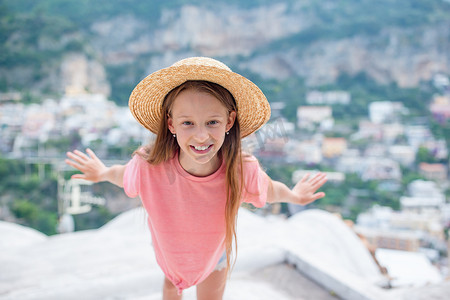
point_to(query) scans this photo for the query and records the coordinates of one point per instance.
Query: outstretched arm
(93, 169)
(304, 192)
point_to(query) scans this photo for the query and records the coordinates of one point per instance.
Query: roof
(117, 261)
(432, 167)
(408, 268)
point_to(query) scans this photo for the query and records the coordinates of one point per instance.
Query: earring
(174, 135)
(227, 132)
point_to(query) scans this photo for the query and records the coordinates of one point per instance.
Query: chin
(205, 160)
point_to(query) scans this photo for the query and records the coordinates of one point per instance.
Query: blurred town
(41, 133)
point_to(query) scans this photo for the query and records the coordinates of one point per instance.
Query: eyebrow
(188, 117)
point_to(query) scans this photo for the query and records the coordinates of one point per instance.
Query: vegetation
(31, 32)
(36, 34)
(119, 76)
(32, 200)
(98, 216)
(441, 130)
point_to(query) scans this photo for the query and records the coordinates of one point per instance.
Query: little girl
(194, 177)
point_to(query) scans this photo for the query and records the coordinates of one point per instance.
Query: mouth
(201, 149)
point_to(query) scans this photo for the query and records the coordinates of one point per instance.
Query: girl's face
(200, 122)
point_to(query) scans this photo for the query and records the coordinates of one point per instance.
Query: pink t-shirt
(187, 213)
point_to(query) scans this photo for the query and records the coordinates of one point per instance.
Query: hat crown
(201, 61)
(147, 97)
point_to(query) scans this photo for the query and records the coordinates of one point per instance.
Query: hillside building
(333, 147)
(385, 111)
(368, 130)
(328, 98)
(309, 116)
(308, 152)
(440, 108)
(391, 239)
(403, 154)
(436, 172)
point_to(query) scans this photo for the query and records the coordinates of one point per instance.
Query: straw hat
(146, 100)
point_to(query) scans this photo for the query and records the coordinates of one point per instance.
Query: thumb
(318, 195)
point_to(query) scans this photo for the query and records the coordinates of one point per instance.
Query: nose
(201, 134)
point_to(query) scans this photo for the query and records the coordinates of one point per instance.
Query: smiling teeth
(201, 148)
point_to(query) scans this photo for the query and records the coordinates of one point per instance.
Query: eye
(214, 122)
(187, 123)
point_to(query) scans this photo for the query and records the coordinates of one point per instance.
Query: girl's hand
(305, 189)
(92, 168)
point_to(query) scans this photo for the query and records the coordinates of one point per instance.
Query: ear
(170, 123)
(231, 119)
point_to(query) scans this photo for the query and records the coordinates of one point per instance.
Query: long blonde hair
(165, 146)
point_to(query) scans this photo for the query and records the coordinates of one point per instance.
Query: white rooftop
(117, 261)
(408, 268)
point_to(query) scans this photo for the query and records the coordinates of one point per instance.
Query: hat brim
(145, 102)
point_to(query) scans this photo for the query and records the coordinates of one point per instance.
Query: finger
(78, 176)
(75, 157)
(73, 164)
(318, 195)
(319, 184)
(322, 180)
(315, 197)
(318, 176)
(319, 179)
(81, 154)
(92, 154)
(305, 178)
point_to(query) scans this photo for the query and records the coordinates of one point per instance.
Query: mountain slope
(104, 46)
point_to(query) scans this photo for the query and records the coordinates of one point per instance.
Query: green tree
(424, 155)
(25, 210)
(32, 215)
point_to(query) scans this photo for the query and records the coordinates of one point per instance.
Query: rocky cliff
(275, 41)
(403, 55)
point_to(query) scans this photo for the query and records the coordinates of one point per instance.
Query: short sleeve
(131, 177)
(256, 183)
